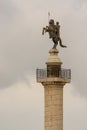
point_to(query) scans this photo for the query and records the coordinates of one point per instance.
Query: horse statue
(54, 33)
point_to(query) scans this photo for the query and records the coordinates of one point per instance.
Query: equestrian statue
(54, 33)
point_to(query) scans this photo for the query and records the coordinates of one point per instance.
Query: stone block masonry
(53, 107)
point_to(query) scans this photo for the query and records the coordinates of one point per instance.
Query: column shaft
(53, 107)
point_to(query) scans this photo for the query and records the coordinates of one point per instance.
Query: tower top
(53, 72)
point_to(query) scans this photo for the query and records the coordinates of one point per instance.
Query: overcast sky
(23, 49)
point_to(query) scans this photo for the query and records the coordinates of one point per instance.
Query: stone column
(53, 106)
(53, 82)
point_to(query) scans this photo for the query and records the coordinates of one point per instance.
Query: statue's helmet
(51, 21)
(57, 22)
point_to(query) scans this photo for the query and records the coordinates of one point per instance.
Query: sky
(23, 49)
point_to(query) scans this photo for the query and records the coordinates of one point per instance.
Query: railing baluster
(63, 73)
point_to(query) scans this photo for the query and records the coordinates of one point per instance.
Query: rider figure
(58, 34)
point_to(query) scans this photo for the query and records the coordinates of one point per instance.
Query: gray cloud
(21, 107)
(8, 10)
(23, 48)
(17, 105)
